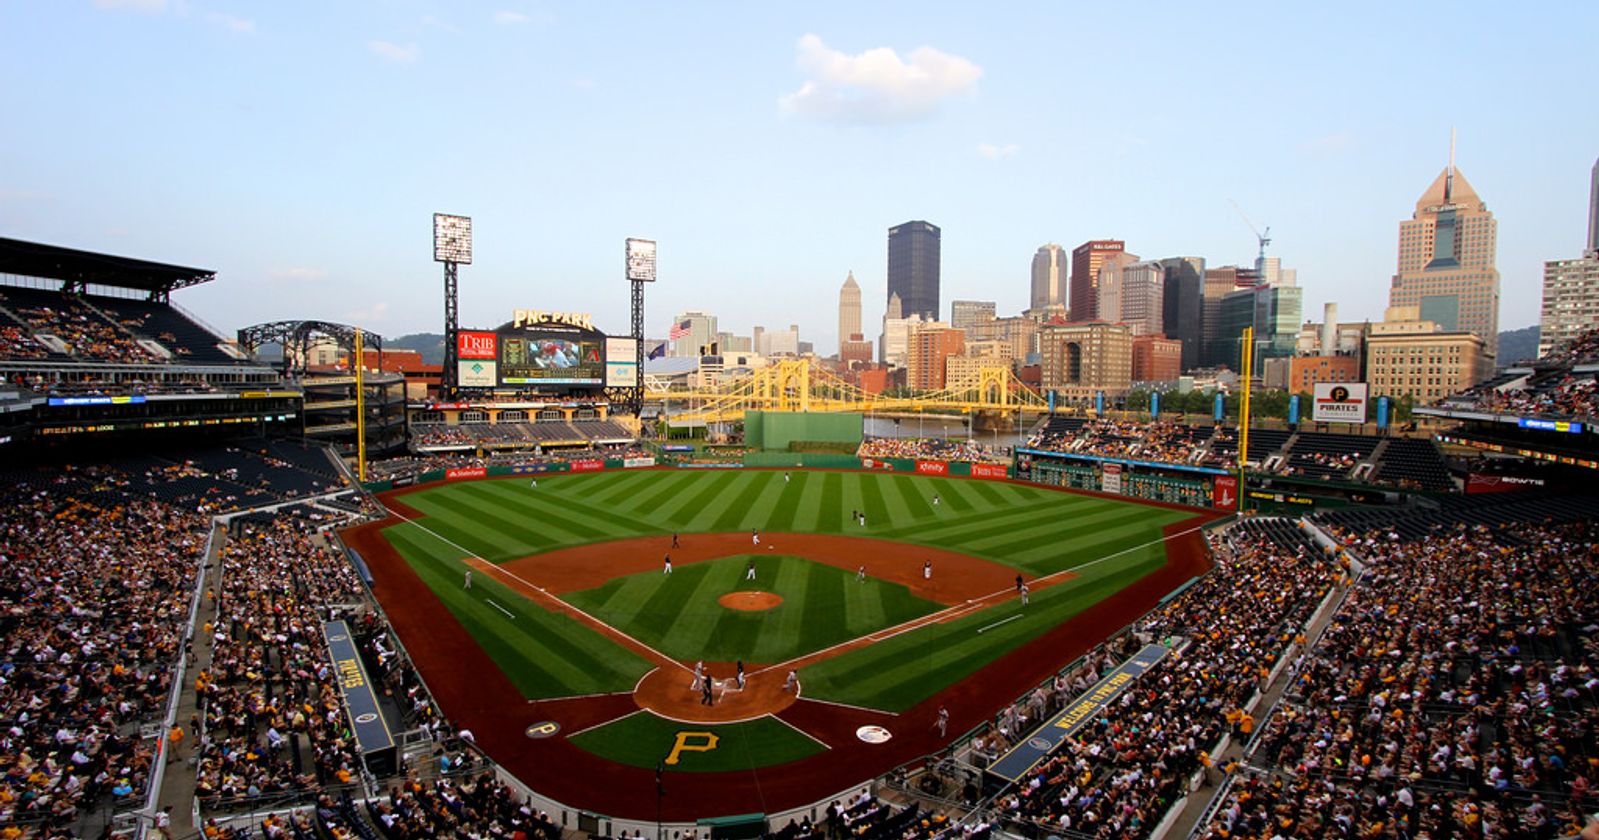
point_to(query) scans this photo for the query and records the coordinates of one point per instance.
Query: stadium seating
(1413, 464)
(1329, 456)
(189, 342)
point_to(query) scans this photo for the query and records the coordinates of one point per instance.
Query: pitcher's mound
(749, 601)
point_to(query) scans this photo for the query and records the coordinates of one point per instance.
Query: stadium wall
(777, 429)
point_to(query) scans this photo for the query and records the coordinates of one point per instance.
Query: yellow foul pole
(360, 409)
(1248, 347)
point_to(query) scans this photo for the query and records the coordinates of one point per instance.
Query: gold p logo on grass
(708, 743)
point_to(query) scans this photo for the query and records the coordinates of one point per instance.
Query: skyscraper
(1049, 281)
(1108, 291)
(1143, 298)
(1446, 262)
(849, 311)
(913, 253)
(1593, 211)
(1086, 260)
(1180, 309)
(964, 314)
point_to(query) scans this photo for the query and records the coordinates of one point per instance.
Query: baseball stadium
(285, 583)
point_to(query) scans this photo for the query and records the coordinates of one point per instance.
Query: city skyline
(306, 160)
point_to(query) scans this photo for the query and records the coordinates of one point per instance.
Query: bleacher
(1413, 461)
(1498, 512)
(432, 437)
(1284, 533)
(188, 341)
(1327, 456)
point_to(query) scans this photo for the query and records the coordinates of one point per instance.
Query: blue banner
(360, 701)
(1027, 754)
(1382, 412)
(1052, 401)
(1218, 407)
(1099, 403)
(1293, 410)
(1154, 404)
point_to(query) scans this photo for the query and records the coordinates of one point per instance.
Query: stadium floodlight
(452, 239)
(641, 260)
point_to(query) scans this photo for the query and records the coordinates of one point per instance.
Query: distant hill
(1517, 345)
(431, 346)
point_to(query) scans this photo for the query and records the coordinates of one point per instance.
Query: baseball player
(666, 565)
(755, 536)
(749, 571)
(927, 570)
(860, 575)
(943, 720)
(468, 584)
(792, 682)
(1024, 594)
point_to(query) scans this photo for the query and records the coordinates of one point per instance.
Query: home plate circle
(873, 734)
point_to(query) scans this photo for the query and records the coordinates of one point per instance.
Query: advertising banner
(678, 447)
(466, 472)
(988, 470)
(1111, 479)
(476, 345)
(631, 463)
(1224, 492)
(876, 464)
(471, 373)
(1479, 483)
(621, 363)
(366, 719)
(932, 468)
(588, 465)
(1339, 402)
(1293, 410)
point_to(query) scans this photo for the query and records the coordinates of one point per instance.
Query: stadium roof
(82, 268)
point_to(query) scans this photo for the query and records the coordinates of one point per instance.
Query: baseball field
(815, 602)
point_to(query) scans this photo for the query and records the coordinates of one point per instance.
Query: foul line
(499, 570)
(500, 608)
(605, 723)
(1001, 621)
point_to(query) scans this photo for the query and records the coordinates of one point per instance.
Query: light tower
(452, 245)
(640, 270)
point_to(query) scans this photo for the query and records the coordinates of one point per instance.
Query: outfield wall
(778, 429)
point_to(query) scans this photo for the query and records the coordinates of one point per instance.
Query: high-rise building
(1570, 302)
(1446, 262)
(966, 370)
(1156, 358)
(1050, 276)
(1593, 211)
(690, 331)
(913, 255)
(1108, 291)
(779, 342)
(1406, 354)
(1019, 331)
(1086, 260)
(1273, 311)
(964, 314)
(849, 312)
(1218, 347)
(1080, 359)
(930, 345)
(1184, 279)
(1143, 298)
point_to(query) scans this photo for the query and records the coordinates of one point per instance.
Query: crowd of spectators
(94, 595)
(444, 807)
(412, 465)
(1454, 694)
(85, 334)
(1580, 350)
(932, 449)
(271, 682)
(1119, 774)
(439, 434)
(1164, 441)
(18, 343)
(1572, 395)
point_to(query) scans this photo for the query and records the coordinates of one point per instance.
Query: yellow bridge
(799, 385)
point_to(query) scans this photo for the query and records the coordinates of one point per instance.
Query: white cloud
(397, 53)
(993, 152)
(149, 7)
(298, 274)
(508, 18)
(230, 22)
(377, 313)
(876, 86)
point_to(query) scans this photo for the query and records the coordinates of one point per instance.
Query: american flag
(679, 330)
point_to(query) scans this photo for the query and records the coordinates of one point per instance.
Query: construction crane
(1263, 237)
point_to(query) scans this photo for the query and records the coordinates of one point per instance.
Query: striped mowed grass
(1038, 531)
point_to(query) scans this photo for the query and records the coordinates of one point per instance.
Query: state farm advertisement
(466, 472)
(988, 470)
(932, 467)
(476, 345)
(1225, 493)
(588, 465)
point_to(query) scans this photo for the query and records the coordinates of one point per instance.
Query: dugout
(777, 429)
(736, 827)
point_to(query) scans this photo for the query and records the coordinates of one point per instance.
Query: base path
(473, 693)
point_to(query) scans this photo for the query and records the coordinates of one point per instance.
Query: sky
(300, 149)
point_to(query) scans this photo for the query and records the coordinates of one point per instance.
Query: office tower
(849, 312)
(1446, 262)
(1081, 359)
(1218, 340)
(1410, 355)
(1156, 358)
(1184, 278)
(1050, 276)
(1272, 272)
(1570, 302)
(1107, 305)
(964, 314)
(913, 254)
(1273, 311)
(1593, 212)
(1086, 261)
(1143, 297)
(928, 347)
(690, 331)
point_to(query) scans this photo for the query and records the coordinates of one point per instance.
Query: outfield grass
(644, 740)
(678, 614)
(1035, 530)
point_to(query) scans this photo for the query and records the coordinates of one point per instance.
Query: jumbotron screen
(543, 359)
